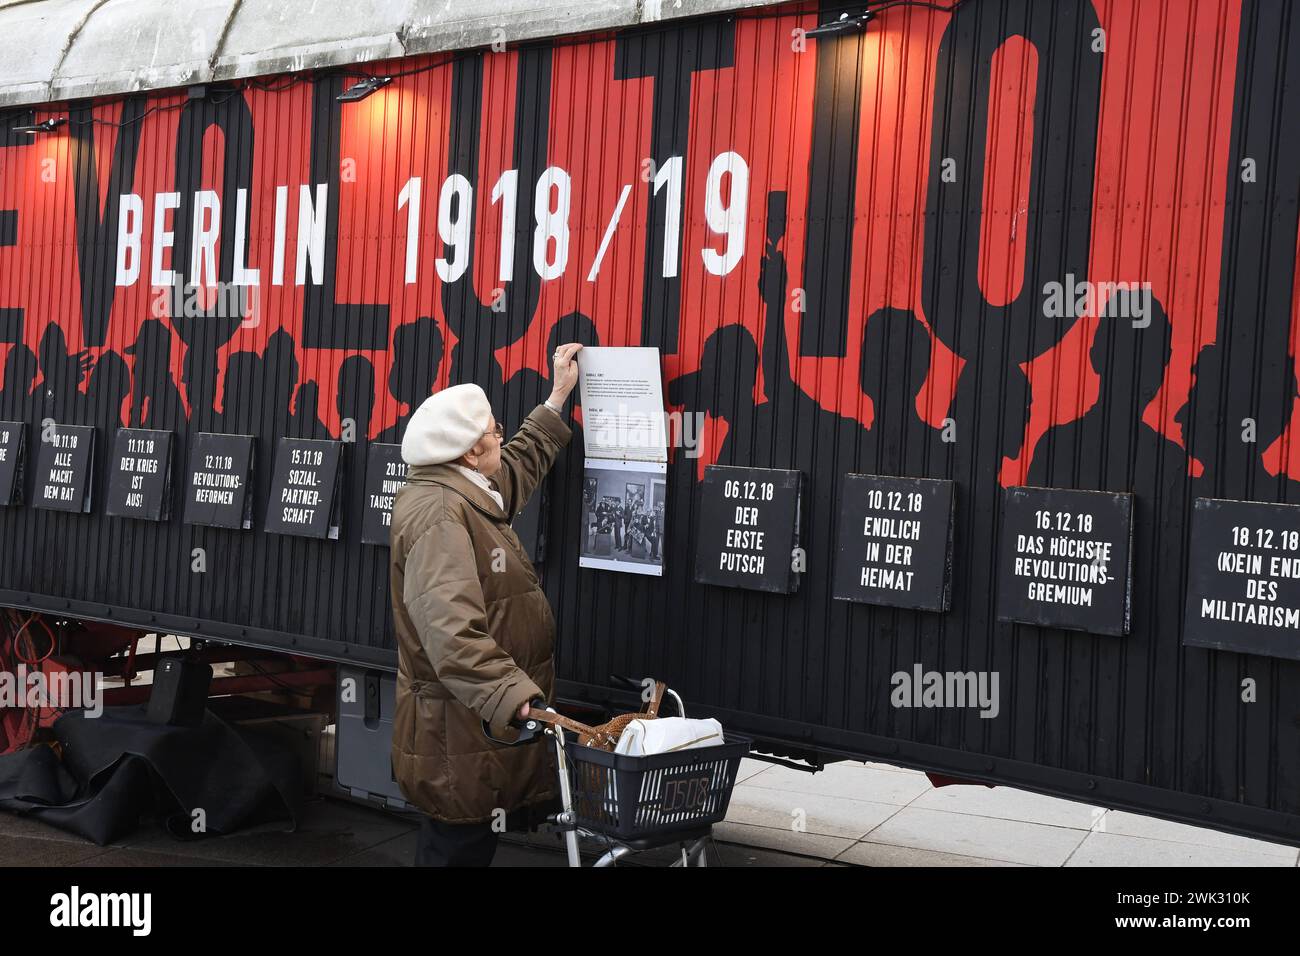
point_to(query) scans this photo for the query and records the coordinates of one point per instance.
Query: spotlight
(363, 89)
(845, 24)
(49, 126)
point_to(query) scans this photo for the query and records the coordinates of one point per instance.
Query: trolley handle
(529, 728)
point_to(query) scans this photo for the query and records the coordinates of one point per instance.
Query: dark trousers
(455, 844)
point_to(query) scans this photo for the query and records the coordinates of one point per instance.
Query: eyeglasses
(499, 432)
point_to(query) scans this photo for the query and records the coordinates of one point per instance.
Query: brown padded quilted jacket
(475, 634)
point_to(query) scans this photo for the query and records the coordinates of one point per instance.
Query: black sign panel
(895, 542)
(141, 481)
(216, 481)
(305, 488)
(1065, 559)
(13, 447)
(1243, 578)
(64, 468)
(385, 476)
(749, 528)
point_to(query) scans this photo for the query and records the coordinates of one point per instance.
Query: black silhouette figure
(155, 400)
(108, 388)
(203, 336)
(240, 392)
(417, 356)
(1109, 447)
(1004, 432)
(724, 389)
(61, 376)
(773, 281)
(491, 379)
(894, 367)
(572, 327)
(18, 391)
(1221, 415)
(355, 400)
(280, 376)
(305, 421)
(791, 429)
(526, 389)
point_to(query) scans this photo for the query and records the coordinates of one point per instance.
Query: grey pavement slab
(1010, 804)
(853, 781)
(514, 854)
(882, 854)
(126, 856)
(726, 852)
(815, 846)
(1114, 849)
(33, 851)
(13, 824)
(329, 831)
(812, 812)
(396, 851)
(964, 834)
(1133, 824)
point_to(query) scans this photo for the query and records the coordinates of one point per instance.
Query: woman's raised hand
(565, 374)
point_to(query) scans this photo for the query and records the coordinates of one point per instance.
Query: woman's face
(486, 453)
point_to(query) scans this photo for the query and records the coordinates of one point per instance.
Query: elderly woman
(475, 634)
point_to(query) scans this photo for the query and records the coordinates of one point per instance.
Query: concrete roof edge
(405, 35)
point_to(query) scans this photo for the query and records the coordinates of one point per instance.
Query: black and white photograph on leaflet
(624, 492)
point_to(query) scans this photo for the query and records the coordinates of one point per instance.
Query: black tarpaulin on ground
(120, 767)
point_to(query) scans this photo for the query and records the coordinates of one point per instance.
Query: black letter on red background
(328, 324)
(832, 187)
(11, 318)
(96, 225)
(205, 334)
(1058, 221)
(1249, 371)
(469, 318)
(670, 58)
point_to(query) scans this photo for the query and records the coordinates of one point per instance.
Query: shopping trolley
(632, 804)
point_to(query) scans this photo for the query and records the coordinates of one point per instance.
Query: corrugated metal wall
(911, 191)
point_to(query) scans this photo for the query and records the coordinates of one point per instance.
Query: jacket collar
(449, 477)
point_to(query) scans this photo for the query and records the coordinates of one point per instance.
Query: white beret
(446, 425)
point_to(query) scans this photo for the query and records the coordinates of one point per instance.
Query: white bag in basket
(640, 738)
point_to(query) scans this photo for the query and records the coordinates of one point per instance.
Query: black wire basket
(635, 798)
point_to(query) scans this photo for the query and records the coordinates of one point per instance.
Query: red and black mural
(1012, 242)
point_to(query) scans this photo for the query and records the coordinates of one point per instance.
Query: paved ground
(850, 814)
(880, 815)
